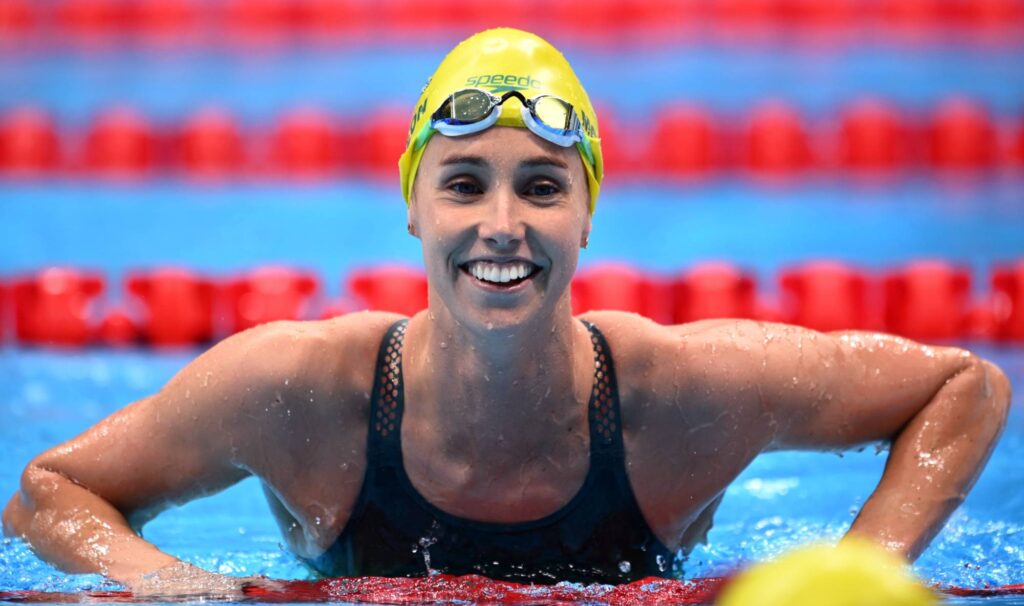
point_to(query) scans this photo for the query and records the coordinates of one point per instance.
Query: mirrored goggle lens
(465, 107)
(555, 114)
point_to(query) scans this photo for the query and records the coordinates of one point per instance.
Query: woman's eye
(543, 190)
(464, 188)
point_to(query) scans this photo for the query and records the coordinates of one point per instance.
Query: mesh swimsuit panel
(599, 536)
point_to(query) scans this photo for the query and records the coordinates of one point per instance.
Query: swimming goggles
(472, 110)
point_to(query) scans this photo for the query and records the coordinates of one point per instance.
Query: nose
(502, 226)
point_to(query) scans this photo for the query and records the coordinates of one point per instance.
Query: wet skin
(507, 441)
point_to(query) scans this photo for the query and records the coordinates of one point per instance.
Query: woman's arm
(80, 503)
(785, 387)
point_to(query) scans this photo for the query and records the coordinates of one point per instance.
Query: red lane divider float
(928, 300)
(268, 294)
(471, 589)
(601, 22)
(873, 137)
(1008, 301)
(55, 307)
(827, 295)
(715, 290)
(390, 288)
(121, 144)
(869, 136)
(177, 306)
(306, 144)
(29, 144)
(623, 288)
(961, 136)
(210, 145)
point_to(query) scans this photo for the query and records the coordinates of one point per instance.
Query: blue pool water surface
(782, 500)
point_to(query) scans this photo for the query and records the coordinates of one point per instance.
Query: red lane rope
(446, 589)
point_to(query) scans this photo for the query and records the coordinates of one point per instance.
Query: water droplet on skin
(444, 345)
(286, 381)
(490, 326)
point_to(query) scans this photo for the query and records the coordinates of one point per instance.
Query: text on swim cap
(503, 82)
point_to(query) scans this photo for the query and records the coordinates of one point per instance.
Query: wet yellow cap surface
(853, 573)
(498, 61)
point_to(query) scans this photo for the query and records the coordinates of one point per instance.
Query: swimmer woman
(493, 433)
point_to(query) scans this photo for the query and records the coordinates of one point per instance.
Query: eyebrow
(536, 162)
(472, 160)
(543, 161)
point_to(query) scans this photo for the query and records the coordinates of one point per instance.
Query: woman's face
(502, 215)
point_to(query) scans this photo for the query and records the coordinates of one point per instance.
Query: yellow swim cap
(853, 573)
(498, 61)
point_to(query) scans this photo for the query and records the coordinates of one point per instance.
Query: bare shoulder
(332, 357)
(676, 378)
(648, 354)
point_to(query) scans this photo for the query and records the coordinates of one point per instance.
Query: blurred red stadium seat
(53, 307)
(121, 144)
(306, 144)
(927, 300)
(616, 286)
(1008, 294)
(776, 142)
(683, 142)
(178, 306)
(268, 294)
(385, 138)
(827, 295)
(872, 137)
(714, 290)
(961, 136)
(28, 142)
(210, 145)
(396, 289)
(17, 17)
(117, 329)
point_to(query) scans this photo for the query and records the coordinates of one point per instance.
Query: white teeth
(500, 273)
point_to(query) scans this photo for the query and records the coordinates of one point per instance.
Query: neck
(487, 383)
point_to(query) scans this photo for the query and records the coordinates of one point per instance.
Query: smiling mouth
(503, 275)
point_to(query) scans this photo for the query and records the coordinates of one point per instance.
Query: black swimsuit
(599, 536)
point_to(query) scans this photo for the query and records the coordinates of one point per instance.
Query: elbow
(991, 391)
(18, 509)
(997, 389)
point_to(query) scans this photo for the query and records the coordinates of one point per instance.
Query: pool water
(782, 500)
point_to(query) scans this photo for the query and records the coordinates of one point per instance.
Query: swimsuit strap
(388, 399)
(604, 413)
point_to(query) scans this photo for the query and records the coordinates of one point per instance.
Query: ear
(411, 223)
(585, 237)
